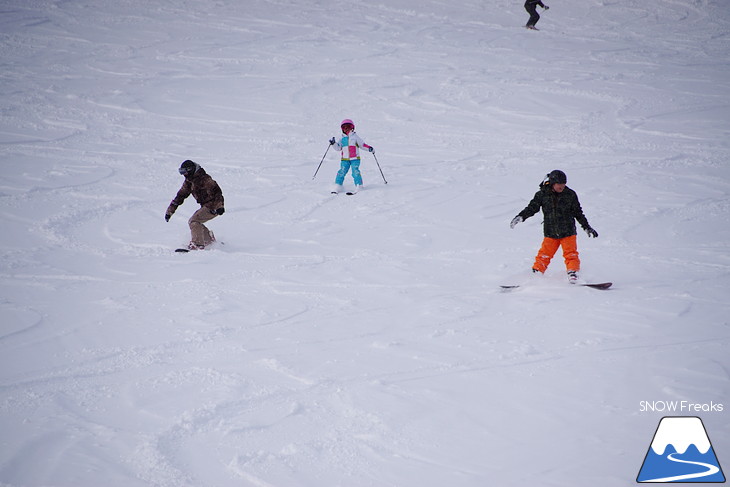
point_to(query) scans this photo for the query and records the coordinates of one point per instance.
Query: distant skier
(560, 208)
(350, 144)
(531, 7)
(208, 195)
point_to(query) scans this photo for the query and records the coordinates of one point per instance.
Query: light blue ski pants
(345, 166)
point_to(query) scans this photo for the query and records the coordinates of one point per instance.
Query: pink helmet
(347, 120)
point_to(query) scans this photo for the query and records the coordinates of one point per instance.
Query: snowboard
(184, 250)
(213, 241)
(596, 285)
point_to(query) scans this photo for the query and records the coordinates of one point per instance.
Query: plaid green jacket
(560, 210)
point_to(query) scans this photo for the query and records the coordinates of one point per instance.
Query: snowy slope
(357, 341)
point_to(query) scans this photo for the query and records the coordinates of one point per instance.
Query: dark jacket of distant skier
(559, 209)
(203, 188)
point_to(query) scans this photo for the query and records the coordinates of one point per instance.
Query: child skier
(531, 7)
(560, 208)
(350, 144)
(208, 195)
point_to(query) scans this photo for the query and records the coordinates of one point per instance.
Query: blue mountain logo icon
(680, 452)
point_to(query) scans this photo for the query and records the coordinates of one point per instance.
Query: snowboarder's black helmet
(188, 168)
(557, 176)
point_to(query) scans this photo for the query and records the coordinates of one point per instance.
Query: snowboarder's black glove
(546, 7)
(220, 211)
(167, 217)
(371, 149)
(515, 221)
(332, 141)
(591, 232)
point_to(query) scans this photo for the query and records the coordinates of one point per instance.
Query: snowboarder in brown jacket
(208, 195)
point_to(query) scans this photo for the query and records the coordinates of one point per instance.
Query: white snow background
(357, 341)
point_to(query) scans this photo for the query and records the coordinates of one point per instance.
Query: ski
(341, 189)
(181, 250)
(597, 285)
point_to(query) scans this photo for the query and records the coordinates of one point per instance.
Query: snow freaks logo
(680, 452)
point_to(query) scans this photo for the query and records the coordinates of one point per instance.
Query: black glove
(220, 211)
(371, 149)
(332, 141)
(515, 221)
(591, 232)
(167, 217)
(546, 7)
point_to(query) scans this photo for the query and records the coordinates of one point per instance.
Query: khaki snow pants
(550, 246)
(199, 233)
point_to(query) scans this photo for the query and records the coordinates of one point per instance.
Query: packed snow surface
(358, 341)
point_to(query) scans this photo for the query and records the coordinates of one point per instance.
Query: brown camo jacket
(203, 188)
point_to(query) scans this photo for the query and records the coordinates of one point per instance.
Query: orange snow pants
(550, 246)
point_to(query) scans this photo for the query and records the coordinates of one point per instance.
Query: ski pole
(381, 170)
(320, 162)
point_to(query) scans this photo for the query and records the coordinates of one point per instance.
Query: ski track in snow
(356, 340)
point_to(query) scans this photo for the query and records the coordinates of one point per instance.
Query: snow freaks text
(679, 407)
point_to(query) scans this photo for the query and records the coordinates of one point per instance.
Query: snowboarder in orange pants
(561, 209)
